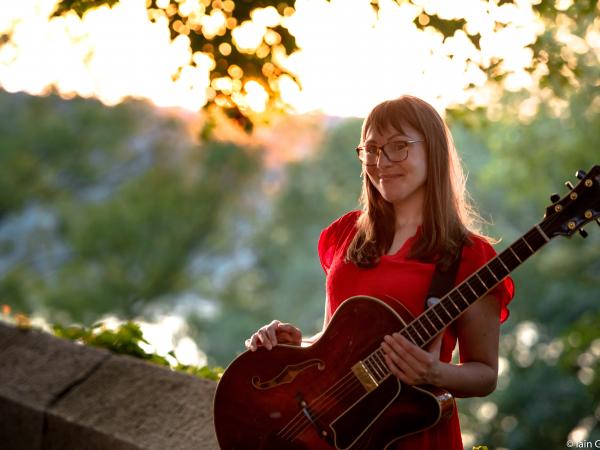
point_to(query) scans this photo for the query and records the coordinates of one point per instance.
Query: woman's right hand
(274, 333)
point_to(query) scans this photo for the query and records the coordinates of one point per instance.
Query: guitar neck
(437, 317)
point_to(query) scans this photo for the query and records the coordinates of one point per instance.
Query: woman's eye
(400, 145)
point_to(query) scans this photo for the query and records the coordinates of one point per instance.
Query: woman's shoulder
(344, 222)
(335, 235)
(477, 244)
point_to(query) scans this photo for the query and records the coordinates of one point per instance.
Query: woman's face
(399, 182)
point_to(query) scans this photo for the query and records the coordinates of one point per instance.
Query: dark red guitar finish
(292, 398)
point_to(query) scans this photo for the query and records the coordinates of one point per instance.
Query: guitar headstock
(581, 205)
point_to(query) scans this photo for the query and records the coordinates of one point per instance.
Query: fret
(461, 296)
(440, 306)
(527, 244)
(509, 261)
(484, 284)
(434, 315)
(369, 367)
(384, 368)
(492, 272)
(413, 325)
(503, 265)
(376, 370)
(379, 356)
(409, 336)
(536, 239)
(479, 287)
(542, 233)
(449, 300)
(379, 372)
(425, 316)
(422, 328)
(515, 253)
(472, 290)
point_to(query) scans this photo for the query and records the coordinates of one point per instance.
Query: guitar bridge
(364, 375)
(321, 430)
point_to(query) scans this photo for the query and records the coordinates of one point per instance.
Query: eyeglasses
(395, 151)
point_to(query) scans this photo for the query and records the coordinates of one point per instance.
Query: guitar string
(331, 402)
(324, 401)
(327, 396)
(301, 425)
(355, 389)
(340, 384)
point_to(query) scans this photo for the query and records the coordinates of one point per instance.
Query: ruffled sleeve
(334, 236)
(474, 256)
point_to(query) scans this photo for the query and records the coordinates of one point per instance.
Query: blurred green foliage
(125, 340)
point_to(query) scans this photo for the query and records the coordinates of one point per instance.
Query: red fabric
(398, 279)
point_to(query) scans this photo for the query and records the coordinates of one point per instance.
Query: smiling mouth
(390, 176)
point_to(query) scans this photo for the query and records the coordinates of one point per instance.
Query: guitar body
(310, 398)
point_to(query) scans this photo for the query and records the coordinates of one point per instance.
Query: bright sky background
(348, 60)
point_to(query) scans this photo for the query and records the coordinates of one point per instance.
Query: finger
(264, 338)
(251, 343)
(289, 331)
(396, 370)
(270, 330)
(407, 365)
(413, 350)
(293, 339)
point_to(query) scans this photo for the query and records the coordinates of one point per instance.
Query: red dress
(395, 279)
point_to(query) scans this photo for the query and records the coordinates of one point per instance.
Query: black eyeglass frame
(381, 149)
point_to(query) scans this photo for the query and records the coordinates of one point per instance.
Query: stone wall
(55, 394)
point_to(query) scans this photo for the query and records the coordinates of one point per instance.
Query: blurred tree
(128, 195)
(234, 65)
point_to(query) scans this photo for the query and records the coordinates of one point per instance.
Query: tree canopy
(214, 27)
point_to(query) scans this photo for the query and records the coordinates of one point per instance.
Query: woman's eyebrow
(391, 138)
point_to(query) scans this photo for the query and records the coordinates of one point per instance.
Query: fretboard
(437, 317)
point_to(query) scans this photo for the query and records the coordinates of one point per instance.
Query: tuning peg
(569, 185)
(554, 198)
(580, 174)
(583, 233)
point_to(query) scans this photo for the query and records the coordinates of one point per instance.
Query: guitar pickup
(364, 375)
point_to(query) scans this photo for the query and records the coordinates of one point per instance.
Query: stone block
(35, 369)
(129, 403)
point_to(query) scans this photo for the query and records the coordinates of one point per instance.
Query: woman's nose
(382, 160)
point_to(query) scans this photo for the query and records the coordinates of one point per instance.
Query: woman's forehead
(388, 130)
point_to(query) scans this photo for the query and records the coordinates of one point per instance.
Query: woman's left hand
(410, 363)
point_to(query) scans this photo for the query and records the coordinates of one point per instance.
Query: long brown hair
(448, 217)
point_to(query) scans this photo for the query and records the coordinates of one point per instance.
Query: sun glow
(349, 58)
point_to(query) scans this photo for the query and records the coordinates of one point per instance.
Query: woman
(414, 215)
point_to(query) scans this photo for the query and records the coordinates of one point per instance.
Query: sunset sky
(348, 59)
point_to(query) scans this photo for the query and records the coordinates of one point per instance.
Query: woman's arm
(311, 340)
(478, 331)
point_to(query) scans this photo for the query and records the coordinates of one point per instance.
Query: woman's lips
(390, 176)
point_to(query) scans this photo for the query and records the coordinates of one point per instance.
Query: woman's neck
(409, 212)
